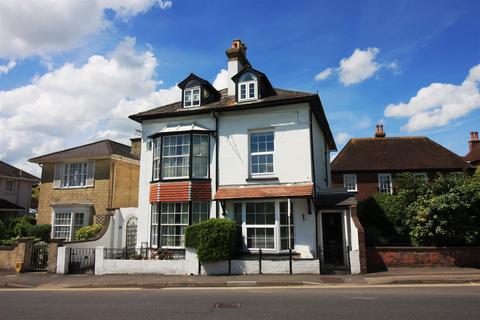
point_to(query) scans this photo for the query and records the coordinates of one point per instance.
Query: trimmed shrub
(88, 232)
(214, 239)
(20, 227)
(40, 231)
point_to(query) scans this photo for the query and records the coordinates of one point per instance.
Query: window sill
(180, 180)
(70, 188)
(262, 178)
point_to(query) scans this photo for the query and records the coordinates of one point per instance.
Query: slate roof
(395, 154)
(11, 171)
(227, 103)
(103, 148)
(7, 205)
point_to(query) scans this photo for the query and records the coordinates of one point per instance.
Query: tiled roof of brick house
(103, 148)
(395, 154)
(7, 170)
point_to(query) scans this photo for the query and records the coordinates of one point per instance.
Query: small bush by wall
(88, 232)
(40, 231)
(214, 239)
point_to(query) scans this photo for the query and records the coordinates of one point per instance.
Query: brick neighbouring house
(367, 166)
(80, 185)
(15, 191)
(473, 155)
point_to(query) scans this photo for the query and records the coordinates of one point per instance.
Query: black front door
(332, 238)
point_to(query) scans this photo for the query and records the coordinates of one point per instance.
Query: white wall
(319, 145)
(292, 144)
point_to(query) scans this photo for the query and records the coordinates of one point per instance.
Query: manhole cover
(226, 305)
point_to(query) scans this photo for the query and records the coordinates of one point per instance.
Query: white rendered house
(252, 153)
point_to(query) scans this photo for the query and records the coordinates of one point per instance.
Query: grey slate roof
(102, 148)
(227, 103)
(11, 171)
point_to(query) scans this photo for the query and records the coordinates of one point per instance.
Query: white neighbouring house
(252, 153)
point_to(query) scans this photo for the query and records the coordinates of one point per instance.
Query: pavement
(394, 276)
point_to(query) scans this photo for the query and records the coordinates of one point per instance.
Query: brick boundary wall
(361, 240)
(381, 258)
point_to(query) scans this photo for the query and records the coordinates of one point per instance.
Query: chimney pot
(379, 133)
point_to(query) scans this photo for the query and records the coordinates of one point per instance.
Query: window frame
(277, 226)
(181, 224)
(191, 92)
(345, 185)
(13, 185)
(159, 139)
(72, 225)
(380, 188)
(247, 90)
(157, 210)
(65, 183)
(251, 154)
(420, 175)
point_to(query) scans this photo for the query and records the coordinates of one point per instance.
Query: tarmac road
(391, 302)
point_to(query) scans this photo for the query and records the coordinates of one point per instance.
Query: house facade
(15, 191)
(251, 153)
(367, 166)
(473, 155)
(81, 185)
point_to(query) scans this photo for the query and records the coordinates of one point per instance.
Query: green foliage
(214, 239)
(40, 231)
(20, 227)
(447, 213)
(88, 232)
(444, 212)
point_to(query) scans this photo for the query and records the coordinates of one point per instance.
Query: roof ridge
(78, 147)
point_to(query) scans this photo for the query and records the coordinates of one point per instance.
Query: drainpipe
(217, 170)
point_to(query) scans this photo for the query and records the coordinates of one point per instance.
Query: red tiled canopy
(271, 191)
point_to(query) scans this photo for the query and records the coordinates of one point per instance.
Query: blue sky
(74, 65)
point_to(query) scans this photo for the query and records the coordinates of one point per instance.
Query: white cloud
(221, 80)
(4, 69)
(439, 103)
(42, 27)
(324, 74)
(67, 106)
(342, 137)
(360, 66)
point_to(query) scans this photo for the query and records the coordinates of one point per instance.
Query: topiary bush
(88, 232)
(214, 239)
(40, 231)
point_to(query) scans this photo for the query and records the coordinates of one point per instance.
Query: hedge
(214, 239)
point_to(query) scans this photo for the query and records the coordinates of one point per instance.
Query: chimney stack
(474, 142)
(135, 149)
(237, 60)
(379, 133)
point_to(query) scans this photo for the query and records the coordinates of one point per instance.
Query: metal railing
(143, 254)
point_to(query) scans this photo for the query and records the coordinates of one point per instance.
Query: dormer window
(247, 87)
(192, 94)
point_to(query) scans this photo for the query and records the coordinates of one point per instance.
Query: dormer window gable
(252, 85)
(197, 92)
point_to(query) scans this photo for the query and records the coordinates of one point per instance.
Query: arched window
(247, 87)
(131, 233)
(191, 94)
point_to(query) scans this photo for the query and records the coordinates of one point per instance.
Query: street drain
(226, 305)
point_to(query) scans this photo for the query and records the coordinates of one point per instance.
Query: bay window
(260, 223)
(170, 219)
(181, 156)
(285, 234)
(262, 148)
(67, 221)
